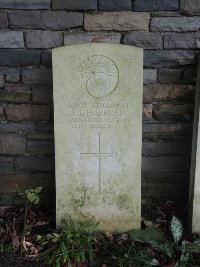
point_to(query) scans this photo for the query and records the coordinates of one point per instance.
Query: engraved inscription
(100, 74)
(99, 154)
(98, 116)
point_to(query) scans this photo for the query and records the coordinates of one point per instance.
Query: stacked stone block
(169, 33)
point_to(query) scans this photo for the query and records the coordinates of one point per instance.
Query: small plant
(71, 246)
(5, 247)
(182, 247)
(179, 251)
(149, 247)
(31, 197)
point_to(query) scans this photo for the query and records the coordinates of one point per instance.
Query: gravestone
(194, 201)
(98, 136)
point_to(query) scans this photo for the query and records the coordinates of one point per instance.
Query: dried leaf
(15, 242)
(41, 223)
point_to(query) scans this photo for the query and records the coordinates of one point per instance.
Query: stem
(24, 228)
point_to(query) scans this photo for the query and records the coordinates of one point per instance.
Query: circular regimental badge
(100, 74)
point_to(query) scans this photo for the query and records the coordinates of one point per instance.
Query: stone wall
(169, 33)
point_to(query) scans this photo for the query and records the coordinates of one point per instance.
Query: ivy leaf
(176, 229)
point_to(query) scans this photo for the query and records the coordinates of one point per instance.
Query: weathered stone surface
(2, 117)
(163, 93)
(166, 58)
(166, 131)
(126, 21)
(25, 4)
(18, 88)
(26, 112)
(150, 76)
(35, 75)
(165, 14)
(155, 149)
(165, 164)
(8, 182)
(40, 147)
(177, 76)
(115, 5)
(12, 75)
(3, 20)
(147, 112)
(45, 128)
(75, 4)
(45, 20)
(11, 39)
(189, 75)
(2, 82)
(47, 58)
(34, 163)
(147, 40)
(11, 127)
(169, 75)
(171, 112)
(94, 114)
(194, 198)
(175, 24)
(42, 94)
(182, 40)
(11, 96)
(40, 137)
(12, 144)
(6, 165)
(171, 177)
(151, 5)
(172, 186)
(43, 39)
(19, 57)
(191, 7)
(92, 37)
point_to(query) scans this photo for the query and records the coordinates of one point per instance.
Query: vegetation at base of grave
(75, 243)
(17, 236)
(79, 245)
(28, 233)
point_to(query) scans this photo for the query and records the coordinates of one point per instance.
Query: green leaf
(147, 235)
(69, 236)
(176, 229)
(18, 189)
(154, 262)
(166, 248)
(184, 260)
(39, 237)
(29, 191)
(31, 197)
(193, 247)
(38, 190)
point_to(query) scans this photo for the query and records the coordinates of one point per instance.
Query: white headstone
(194, 202)
(98, 134)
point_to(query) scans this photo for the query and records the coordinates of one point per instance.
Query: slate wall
(168, 30)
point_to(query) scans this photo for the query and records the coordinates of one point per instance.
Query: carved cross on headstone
(99, 154)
